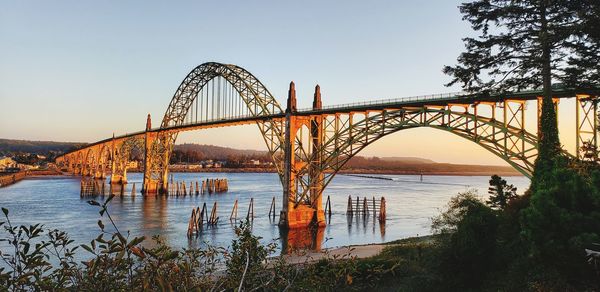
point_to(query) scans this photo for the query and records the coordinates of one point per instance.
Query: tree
(583, 70)
(500, 193)
(522, 45)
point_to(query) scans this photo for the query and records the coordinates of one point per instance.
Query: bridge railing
(248, 117)
(410, 99)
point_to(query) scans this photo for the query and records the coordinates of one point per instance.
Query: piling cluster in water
(199, 220)
(210, 186)
(91, 187)
(366, 208)
(97, 187)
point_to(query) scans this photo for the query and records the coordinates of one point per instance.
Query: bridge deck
(414, 101)
(434, 99)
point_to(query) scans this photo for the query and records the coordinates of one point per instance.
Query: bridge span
(309, 146)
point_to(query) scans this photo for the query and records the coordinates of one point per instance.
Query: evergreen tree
(521, 45)
(500, 193)
(583, 70)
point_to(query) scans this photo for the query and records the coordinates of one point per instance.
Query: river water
(411, 203)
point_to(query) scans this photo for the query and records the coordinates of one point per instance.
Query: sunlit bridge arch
(309, 146)
(215, 92)
(519, 152)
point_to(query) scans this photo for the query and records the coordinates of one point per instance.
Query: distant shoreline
(355, 171)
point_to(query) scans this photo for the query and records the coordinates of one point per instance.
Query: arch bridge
(309, 146)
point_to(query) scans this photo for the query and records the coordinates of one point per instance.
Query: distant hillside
(200, 151)
(411, 165)
(36, 147)
(407, 159)
(408, 165)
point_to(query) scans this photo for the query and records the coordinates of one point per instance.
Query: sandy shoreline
(352, 251)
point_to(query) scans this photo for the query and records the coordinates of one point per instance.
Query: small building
(7, 162)
(194, 166)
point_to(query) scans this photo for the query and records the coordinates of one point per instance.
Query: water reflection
(56, 202)
(297, 239)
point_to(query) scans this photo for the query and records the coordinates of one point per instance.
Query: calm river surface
(411, 204)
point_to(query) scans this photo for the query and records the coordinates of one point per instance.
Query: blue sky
(81, 70)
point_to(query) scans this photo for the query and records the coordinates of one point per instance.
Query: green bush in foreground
(44, 260)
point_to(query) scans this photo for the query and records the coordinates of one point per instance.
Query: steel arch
(493, 136)
(256, 97)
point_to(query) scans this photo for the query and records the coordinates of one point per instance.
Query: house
(7, 162)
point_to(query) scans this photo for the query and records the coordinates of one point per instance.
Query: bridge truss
(310, 146)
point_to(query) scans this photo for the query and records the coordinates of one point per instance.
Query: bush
(467, 232)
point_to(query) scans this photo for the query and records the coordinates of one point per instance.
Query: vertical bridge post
(150, 186)
(316, 171)
(302, 209)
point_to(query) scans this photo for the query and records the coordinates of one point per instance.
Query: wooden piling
(198, 220)
(382, 211)
(250, 215)
(328, 206)
(213, 215)
(234, 211)
(197, 191)
(272, 209)
(133, 190)
(203, 214)
(374, 209)
(349, 210)
(191, 223)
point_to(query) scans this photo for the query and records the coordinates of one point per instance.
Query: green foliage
(500, 193)
(120, 263)
(247, 261)
(564, 214)
(468, 241)
(30, 259)
(583, 70)
(521, 44)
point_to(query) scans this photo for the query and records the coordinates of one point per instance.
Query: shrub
(467, 232)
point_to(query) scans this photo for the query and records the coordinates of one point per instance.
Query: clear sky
(81, 70)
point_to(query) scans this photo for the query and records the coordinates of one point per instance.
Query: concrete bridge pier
(156, 162)
(297, 211)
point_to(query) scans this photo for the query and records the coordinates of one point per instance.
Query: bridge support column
(316, 171)
(117, 177)
(298, 212)
(150, 185)
(85, 171)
